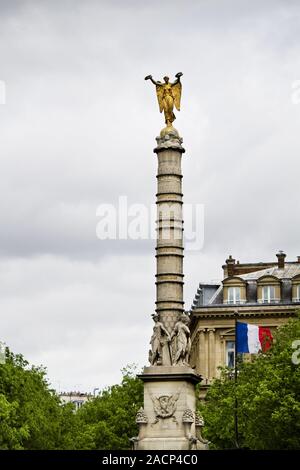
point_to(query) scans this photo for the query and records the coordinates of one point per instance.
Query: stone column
(223, 349)
(169, 246)
(167, 421)
(206, 356)
(211, 353)
(202, 356)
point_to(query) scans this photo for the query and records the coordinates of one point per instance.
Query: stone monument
(168, 420)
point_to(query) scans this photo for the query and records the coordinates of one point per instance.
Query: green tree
(31, 415)
(108, 421)
(268, 395)
(11, 434)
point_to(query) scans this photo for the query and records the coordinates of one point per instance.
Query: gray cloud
(78, 129)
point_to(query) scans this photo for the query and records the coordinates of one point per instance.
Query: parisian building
(264, 294)
(77, 398)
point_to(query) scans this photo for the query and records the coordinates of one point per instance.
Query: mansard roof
(288, 272)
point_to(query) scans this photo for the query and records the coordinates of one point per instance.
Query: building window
(268, 294)
(297, 293)
(78, 404)
(230, 351)
(234, 295)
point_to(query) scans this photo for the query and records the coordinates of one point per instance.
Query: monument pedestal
(168, 420)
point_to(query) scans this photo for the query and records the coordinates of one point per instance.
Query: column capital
(169, 139)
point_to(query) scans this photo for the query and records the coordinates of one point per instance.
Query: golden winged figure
(168, 95)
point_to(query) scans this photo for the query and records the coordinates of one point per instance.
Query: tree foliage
(108, 421)
(268, 397)
(267, 392)
(31, 415)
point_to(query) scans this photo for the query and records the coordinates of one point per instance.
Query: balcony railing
(268, 301)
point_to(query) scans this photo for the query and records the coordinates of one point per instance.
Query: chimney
(281, 257)
(230, 266)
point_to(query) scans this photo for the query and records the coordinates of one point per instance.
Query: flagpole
(236, 426)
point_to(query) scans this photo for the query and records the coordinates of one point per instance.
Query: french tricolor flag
(252, 338)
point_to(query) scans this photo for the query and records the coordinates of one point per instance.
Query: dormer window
(296, 296)
(234, 295)
(268, 294)
(296, 288)
(268, 289)
(234, 290)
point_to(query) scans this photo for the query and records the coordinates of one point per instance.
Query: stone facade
(264, 294)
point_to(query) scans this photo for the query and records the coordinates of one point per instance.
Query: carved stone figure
(159, 336)
(187, 420)
(188, 416)
(181, 344)
(134, 442)
(168, 95)
(141, 417)
(169, 140)
(199, 423)
(165, 406)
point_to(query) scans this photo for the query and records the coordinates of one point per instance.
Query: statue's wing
(177, 94)
(173, 399)
(156, 405)
(160, 92)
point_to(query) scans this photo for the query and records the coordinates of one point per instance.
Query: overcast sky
(78, 130)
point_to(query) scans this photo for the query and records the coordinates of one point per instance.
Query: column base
(168, 420)
(162, 443)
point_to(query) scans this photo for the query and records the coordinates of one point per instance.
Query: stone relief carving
(141, 417)
(199, 421)
(181, 341)
(165, 406)
(188, 419)
(188, 416)
(134, 442)
(171, 140)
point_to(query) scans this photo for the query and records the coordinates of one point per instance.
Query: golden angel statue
(168, 95)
